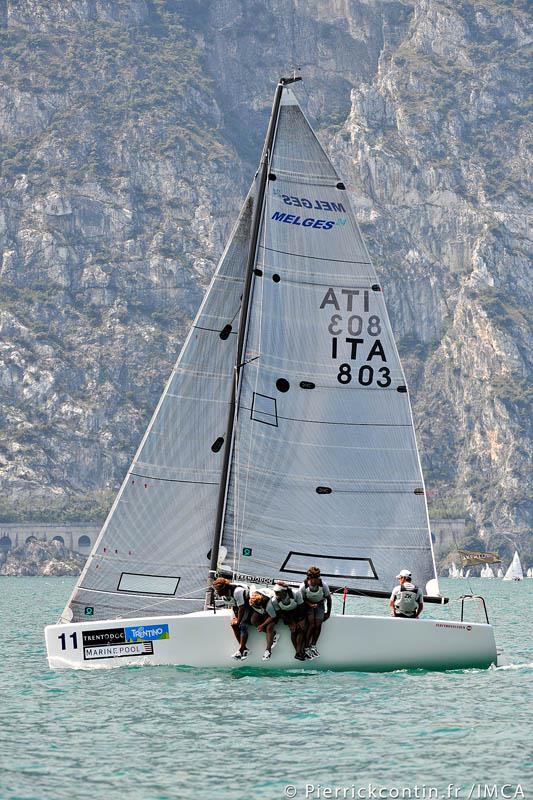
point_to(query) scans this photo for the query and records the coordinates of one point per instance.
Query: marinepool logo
(146, 633)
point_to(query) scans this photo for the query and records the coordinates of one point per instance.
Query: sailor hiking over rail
(316, 595)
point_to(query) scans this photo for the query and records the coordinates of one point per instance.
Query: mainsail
(152, 555)
(325, 468)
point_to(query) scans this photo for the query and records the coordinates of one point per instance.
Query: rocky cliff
(50, 559)
(128, 134)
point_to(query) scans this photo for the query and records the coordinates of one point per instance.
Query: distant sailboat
(453, 572)
(530, 572)
(515, 572)
(499, 574)
(284, 438)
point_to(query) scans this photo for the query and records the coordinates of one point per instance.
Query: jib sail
(152, 556)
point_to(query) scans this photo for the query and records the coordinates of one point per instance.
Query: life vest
(261, 609)
(229, 599)
(313, 594)
(406, 602)
(288, 603)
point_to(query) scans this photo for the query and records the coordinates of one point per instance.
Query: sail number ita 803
(355, 338)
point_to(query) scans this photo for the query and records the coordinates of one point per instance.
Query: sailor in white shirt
(288, 605)
(317, 599)
(238, 598)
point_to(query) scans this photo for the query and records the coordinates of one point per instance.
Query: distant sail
(325, 468)
(514, 572)
(152, 554)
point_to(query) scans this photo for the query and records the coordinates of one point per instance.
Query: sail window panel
(331, 566)
(136, 583)
(296, 148)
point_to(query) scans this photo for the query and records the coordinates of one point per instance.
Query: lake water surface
(156, 733)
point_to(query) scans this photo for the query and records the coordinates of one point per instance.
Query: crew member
(237, 597)
(288, 605)
(406, 599)
(262, 621)
(316, 596)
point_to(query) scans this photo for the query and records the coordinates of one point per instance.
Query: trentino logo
(146, 633)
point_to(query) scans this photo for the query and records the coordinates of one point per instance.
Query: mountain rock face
(129, 132)
(50, 559)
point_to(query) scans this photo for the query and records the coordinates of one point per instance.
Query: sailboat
(499, 574)
(453, 572)
(530, 572)
(284, 438)
(514, 572)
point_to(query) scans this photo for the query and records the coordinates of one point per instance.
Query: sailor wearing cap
(288, 605)
(406, 599)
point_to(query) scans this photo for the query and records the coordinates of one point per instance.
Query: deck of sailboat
(203, 639)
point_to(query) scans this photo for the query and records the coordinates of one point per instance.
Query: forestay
(325, 468)
(152, 554)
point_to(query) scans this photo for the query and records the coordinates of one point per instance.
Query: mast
(243, 317)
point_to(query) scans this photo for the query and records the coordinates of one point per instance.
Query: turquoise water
(155, 733)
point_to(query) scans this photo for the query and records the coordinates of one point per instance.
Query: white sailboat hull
(205, 640)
